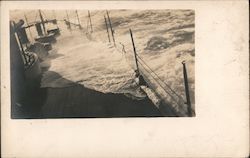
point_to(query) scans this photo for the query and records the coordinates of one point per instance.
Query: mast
(90, 21)
(42, 21)
(112, 31)
(187, 88)
(107, 27)
(136, 60)
(78, 20)
(68, 19)
(26, 19)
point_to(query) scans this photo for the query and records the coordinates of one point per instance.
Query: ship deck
(78, 101)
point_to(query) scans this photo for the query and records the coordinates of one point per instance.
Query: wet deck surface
(78, 101)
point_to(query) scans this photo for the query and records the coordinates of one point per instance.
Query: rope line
(160, 79)
(160, 85)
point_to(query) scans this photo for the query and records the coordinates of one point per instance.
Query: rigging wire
(160, 84)
(160, 79)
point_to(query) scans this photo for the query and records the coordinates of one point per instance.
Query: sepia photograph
(102, 63)
(124, 78)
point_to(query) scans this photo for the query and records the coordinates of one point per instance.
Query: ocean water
(163, 39)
